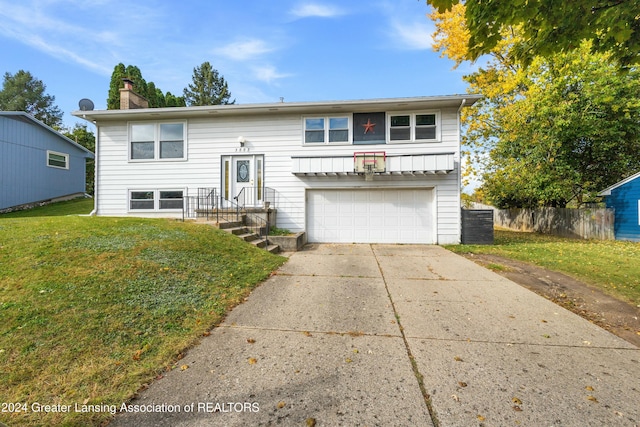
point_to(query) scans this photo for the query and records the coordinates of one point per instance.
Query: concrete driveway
(396, 335)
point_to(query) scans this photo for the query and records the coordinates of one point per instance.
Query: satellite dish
(86, 104)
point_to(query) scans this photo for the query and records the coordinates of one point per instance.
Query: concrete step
(224, 225)
(248, 237)
(274, 249)
(261, 243)
(242, 232)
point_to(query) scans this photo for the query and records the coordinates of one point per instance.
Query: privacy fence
(579, 223)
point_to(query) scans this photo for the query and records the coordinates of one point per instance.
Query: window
(413, 127)
(171, 200)
(57, 160)
(153, 200)
(157, 141)
(142, 200)
(326, 130)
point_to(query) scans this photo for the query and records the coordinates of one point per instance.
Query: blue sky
(301, 50)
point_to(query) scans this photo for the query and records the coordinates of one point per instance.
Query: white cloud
(244, 50)
(268, 74)
(316, 10)
(413, 36)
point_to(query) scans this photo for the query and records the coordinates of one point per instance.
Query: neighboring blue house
(624, 197)
(37, 163)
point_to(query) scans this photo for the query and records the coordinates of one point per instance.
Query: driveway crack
(414, 364)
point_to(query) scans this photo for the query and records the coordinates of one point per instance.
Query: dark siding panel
(477, 227)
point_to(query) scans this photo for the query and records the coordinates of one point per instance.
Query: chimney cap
(128, 83)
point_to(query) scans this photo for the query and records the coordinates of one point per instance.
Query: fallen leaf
(307, 333)
(457, 359)
(311, 422)
(546, 336)
(589, 388)
(348, 360)
(480, 417)
(252, 361)
(543, 321)
(516, 401)
(592, 398)
(462, 384)
(251, 341)
(206, 334)
(281, 404)
(517, 408)
(137, 354)
(355, 350)
(184, 367)
(456, 398)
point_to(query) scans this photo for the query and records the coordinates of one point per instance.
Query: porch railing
(205, 203)
(212, 205)
(254, 196)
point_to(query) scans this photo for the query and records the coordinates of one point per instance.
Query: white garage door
(370, 216)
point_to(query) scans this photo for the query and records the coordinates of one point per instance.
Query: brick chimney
(130, 100)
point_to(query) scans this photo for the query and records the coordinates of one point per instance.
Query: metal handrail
(208, 202)
(252, 222)
(205, 201)
(268, 196)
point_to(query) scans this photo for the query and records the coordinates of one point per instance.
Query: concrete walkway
(395, 335)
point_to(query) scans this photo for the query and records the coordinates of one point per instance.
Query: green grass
(80, 206)
(92, 308)
(613, 266)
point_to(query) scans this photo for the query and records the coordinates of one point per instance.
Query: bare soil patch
(616, 316)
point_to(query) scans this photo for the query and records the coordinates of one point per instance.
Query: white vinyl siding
(277, 138)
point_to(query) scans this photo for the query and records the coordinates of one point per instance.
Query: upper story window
(413, 127)
(326, 130)
(157, 141)
(57, 160)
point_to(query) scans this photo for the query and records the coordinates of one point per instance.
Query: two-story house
(376, 171)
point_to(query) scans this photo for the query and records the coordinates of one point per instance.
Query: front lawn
(613, 266)
(92, 308)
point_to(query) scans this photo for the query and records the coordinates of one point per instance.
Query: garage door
(370, 216)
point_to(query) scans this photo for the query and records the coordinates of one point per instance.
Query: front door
(242, 177)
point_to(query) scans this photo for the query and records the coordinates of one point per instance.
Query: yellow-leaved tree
(554, 132)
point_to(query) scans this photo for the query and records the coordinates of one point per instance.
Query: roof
(364, 105)
(25, 117)
(607, 191)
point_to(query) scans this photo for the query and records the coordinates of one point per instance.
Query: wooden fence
(578, 223)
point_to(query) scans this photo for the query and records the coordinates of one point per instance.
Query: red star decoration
(368, 126)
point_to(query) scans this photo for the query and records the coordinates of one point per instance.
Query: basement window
(155, 200)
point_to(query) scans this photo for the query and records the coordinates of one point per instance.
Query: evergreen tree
(174, 101)
(113, 101)
(208, 87)
(23, 92)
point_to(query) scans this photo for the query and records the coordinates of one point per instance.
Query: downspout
(95, 174)
(464, 101)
